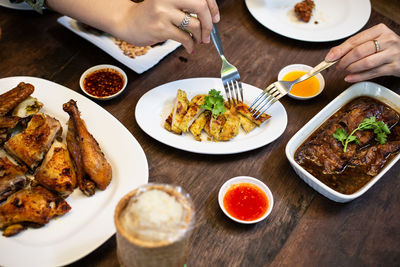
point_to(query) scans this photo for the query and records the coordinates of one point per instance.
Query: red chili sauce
(103, 82)
(245, 202)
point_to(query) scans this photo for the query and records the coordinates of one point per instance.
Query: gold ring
(377, 46)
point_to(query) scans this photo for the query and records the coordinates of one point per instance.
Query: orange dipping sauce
(306, 88)
(245, 202)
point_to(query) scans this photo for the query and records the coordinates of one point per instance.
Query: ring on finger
(377, 46)
(185, 22)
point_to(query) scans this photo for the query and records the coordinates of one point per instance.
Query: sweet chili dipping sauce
(245, 202)
(103, 82)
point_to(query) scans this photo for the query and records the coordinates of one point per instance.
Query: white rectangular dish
(370, 89)
(138, 64)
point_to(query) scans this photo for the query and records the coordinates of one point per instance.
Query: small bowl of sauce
(245, 199)
(103, 82)
(304, 90)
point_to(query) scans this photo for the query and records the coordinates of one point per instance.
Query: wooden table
(304, 228)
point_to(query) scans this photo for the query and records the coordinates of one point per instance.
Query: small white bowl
(245, 179)
(306, 68)
(370, 89)
(100, 67)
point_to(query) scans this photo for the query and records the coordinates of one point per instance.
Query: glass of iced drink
(153, 224)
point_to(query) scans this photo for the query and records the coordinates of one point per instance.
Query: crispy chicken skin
(57, 171)
(93, 160)
(10, 99)
(6, 126)
(12, 178)
(34, 205)
(31, 145)
(86, 185)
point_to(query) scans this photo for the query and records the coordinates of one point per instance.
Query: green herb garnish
(380, 128)
(214, 102)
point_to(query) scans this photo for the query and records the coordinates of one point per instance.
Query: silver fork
(280, 88)
(229, 74)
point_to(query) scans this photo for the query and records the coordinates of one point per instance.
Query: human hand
(360, 57)
(153, 21)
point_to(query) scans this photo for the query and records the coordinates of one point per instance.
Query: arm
(144, 23)
(360, 58)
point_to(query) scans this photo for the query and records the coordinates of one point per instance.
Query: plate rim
(299, 38)
(205, 151)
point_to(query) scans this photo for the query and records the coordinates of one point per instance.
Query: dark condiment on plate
(347, 172)
(103, 82)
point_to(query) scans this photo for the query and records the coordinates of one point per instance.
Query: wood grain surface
(304, 228)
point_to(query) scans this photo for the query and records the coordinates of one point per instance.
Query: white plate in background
(154, 107)
(104, 42)
(90, 222)
(336, 19)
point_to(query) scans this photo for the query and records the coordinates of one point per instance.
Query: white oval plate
(90, 221)
(155, 105)
(336, 19)
(18, 6)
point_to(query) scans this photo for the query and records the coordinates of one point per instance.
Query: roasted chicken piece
(216, 125)
(57, 171)
(179, 111)
(198, 125)
(231, 126)
(10, 99)
(243, 109)
(94, 163)
(86, 185)
(27, 107)
(31, 145)
(193, 112)
(12, 177)
(6, 126)
(246, 124)
(31, 206)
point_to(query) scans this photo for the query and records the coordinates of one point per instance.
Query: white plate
(19, 6)
(370, 89)
(105, 43)
(154, 107)
(336, 19)
(90, 221)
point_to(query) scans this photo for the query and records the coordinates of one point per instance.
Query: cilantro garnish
(214, 102)
(380, 128)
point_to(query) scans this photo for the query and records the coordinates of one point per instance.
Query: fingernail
(216, 18)
(348, 79)
(207, 40)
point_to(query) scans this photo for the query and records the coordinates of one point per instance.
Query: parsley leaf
(381, 130)
(214, 102)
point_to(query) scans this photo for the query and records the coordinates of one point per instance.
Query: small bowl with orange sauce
(245, 199)
(103, 82)
(304, 90)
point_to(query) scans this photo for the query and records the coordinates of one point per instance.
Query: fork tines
(234, 91)
(268, 97)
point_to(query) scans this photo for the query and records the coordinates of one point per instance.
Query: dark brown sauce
(350, 178)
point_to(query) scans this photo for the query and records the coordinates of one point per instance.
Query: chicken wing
(10, 99)
(57, 172)
(86, 185)
(31, 145)
(31, 206)
(93, 160)
(12, 177)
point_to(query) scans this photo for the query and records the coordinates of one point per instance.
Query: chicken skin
(10, 99)
(95, 165)
(12, 178)
(57, 171)
(31, 145)
(31, 206)
(86, 185)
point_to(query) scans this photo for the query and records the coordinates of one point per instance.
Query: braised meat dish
(347, 170)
